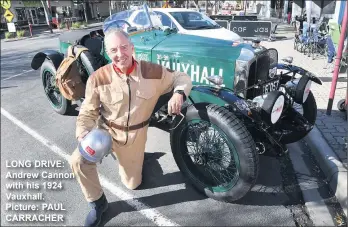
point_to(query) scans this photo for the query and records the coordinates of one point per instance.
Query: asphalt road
(31, 130)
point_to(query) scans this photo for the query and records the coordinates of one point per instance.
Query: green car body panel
(199, 57)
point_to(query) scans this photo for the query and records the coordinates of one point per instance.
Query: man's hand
(175, 103)
(82, 135)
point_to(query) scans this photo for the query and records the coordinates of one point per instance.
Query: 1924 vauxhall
(242, 100)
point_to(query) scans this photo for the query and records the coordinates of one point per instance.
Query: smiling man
(124, 93)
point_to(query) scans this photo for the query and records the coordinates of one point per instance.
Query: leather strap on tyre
(125, 128)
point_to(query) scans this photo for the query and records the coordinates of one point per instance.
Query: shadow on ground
(276, 185)
(17, 62)
(329, 79)
(8, 87)
(281, 38)
(37, 31)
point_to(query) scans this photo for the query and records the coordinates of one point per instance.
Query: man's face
(119, 50)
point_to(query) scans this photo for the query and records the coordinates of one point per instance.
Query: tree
(196, 4)
(84, 5)
(47, 14)
(180, 2)
(72, 8)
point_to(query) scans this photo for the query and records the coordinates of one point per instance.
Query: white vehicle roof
(174, 10)
(151, 20)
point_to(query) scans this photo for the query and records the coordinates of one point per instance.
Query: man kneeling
(122, 95)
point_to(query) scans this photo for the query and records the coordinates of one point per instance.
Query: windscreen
(194, 20)
(139, 17)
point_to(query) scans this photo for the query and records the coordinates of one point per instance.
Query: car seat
(95, 45)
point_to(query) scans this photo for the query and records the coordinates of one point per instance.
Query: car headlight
(256, 43)
(271, 106)
(240, 76)
(299, 89)
(242, 70)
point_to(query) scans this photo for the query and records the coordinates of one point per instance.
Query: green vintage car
(242, 103)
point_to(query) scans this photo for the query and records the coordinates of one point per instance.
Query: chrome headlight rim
(241, 71)
(240, 75)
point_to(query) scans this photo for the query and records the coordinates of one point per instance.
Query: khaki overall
(111, 102)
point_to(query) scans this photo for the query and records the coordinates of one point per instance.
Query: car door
(144, 42)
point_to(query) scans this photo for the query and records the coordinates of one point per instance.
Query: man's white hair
(115, 31)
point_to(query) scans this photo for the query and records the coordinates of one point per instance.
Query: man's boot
(98, 208)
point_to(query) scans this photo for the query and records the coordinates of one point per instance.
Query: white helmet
(95, 145)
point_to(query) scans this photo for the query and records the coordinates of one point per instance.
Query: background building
(33, 12)
(313, 8)
(25, 12)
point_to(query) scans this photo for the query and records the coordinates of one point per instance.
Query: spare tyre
(48, 71)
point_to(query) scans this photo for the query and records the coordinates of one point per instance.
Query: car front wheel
(215, 152)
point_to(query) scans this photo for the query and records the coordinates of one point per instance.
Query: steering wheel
(108, 25)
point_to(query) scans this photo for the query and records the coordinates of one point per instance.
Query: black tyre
(309, 111)
(224, 164)
(60, 104)
(296, 43)
(341, 105)
(87, 65)
(305, 48)
(300, 47)
(88, 61)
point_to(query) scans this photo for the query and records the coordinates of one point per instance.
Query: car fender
(52, 55)
(300, 71)
(237, 103)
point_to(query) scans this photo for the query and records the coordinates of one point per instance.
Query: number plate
(271, 86)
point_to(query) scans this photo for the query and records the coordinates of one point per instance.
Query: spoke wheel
(215, 152)
(209, 155)
(51, 91)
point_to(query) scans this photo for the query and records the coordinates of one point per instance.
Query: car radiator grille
(259, 70)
